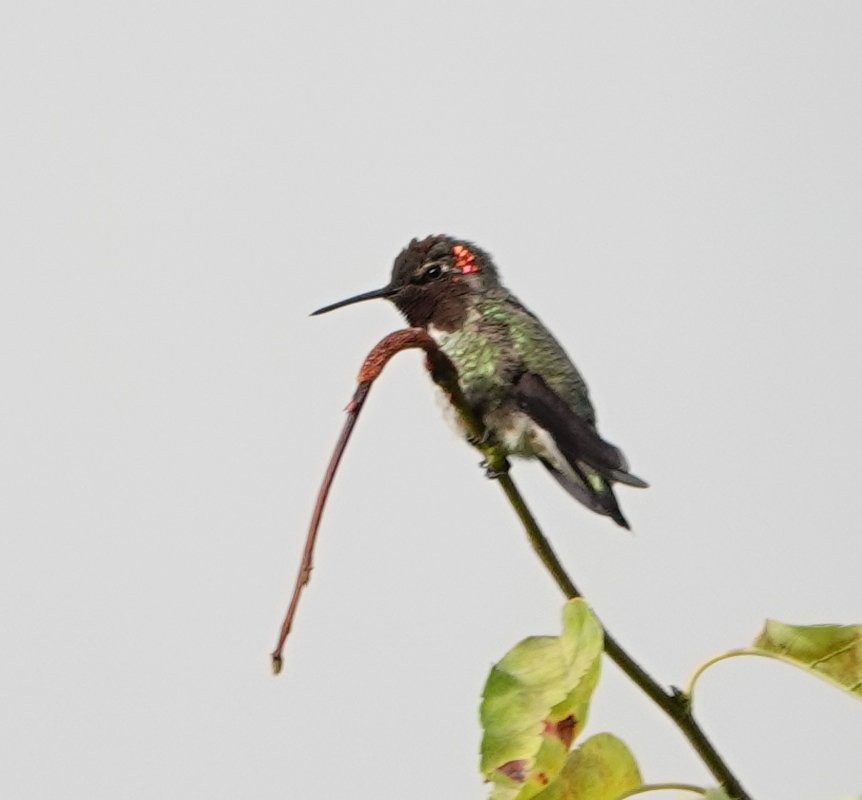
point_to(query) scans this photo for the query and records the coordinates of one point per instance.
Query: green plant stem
(658, 787)
(673, 702)
(809, 667)
(741, 651)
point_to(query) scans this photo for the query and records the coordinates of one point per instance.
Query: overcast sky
(674, 187)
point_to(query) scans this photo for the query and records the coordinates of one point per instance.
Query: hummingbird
(513, 373)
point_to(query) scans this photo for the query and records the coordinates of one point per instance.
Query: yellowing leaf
(602, 768)
(716, 793)
(833, 652)
(535, 702)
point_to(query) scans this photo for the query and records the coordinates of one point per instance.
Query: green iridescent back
(501, 338)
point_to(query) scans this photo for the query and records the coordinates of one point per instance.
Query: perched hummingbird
(513, 372)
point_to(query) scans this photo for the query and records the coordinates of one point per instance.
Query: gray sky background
(674, 187)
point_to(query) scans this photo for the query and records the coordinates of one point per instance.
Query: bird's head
(433, 281)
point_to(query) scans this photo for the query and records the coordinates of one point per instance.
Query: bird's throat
(443, 306)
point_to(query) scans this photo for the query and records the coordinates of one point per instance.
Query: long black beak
(386, 291)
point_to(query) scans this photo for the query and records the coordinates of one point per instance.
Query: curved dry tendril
(443, 372)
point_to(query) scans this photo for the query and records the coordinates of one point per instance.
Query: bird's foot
(478, 441)
(493, 473)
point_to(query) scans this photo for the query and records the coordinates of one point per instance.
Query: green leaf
(833, 652)
(535, 702)
(716, 793)
(602, 768)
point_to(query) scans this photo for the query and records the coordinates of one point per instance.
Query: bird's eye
(432, 273)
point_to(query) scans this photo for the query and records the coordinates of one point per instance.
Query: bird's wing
(538, 351)
(576, 439)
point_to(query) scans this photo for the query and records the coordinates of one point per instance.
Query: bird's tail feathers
(621, 476)
(590, 489)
